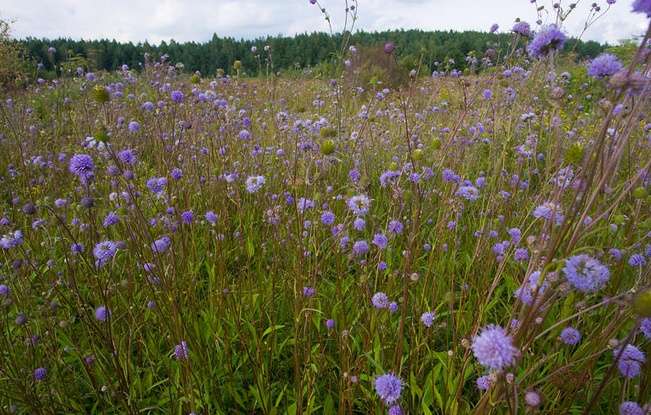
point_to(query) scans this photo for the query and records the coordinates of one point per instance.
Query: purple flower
(388, 177)
(380, 240)
(570, 336)
(330, 324)
(380, 300)
(111, 219)
(360, 248)
(531, 288)
(157, 184)
(128, 157)
(177, 96)
(532, 399)
(40, 374)
(637, 260)
(395, 410)
(11, 240)
(211, 217)
(359, 224)
(101, 313)
(468, 192)
(134, 126)
(104, 252)
(549, 211)
(395, 227)
(389, 47)
(393, 307)
(550, 38)
(304, 204)
(521, 254)
(359, 205)
(483, 383)
(604, 65)
(493, 348)
(187, 217)
(630, 361)
(4, 290)
(181, 351)
(82, 166)
(630, 408)
(522, 28)
(388, 388)
(645, 327)
(585, 273)
(254, 183)
(327, 218)
(494, 28)
(161, 245)
(427, 318)
(642, 6)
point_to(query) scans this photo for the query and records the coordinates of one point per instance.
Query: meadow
(463, 242)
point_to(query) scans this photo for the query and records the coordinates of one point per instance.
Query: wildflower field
(463, 243)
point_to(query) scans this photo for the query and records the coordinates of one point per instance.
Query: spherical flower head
(637, 260)
(111, 219)
(359, 224)
(549, 39)
(40, 374)
(4, 290)
(104, 252)
(585, 273)
(380, 300)
(483, 383)
(493, 348)
(327, 218)
(309, 292)
(531, 288)
(395, 410)
(532, 399)
(645, 327)
(630, 408)
(254, 183)
(127, 157)
(101, 313)
(161, 245)
(388, 388)
(134, 126)
(570, 336)
(82, 166)
(642, 6)
(604, 65)
(177, 96)
(427, 318)
(360, 248)
(181, 351)
(187, 217)
(330, 324)
(157, 185)
(522, 28)
(211, 217)
(389, 47)
(630, 361)
(380, 240)
(395, 227)
(470, 193)
(494, 27)
(359, 205)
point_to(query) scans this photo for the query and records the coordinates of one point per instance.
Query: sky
(197, 20)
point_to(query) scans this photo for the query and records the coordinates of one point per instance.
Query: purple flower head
(494, 28)
(393, 307)
(327, 218)
(304, 204)
(522, 28)
(550, 38)
(483, 383)
(134, 126)
(493, 348)
(630, 361)
(111, 219)
(330, 324)
(128, 157)
(570, 336)
(4, 290)
(11, 240)
(254, 183)
(181, 351)
(427, 318)
(82, 166)
(389, 47)
(40, 374)
(642, 6)
(395, 227)
(630, 408)
(177, 96)
(549, 211)
(104, 252)
(161, 245)
(359, 224)
(585, 273)
(468, 192)
(187, 217)
(388, 388)
(637, 260)
(532, 288)
(360, 248)
(176, 173)
(211, 217)
(388, 177)
(359, 205)
(645, 327)
(532, 399)
(604, 65)
(380, 300)
(157, 184)
(395, 410)
(309, 292)
(380, 240)
(101, 313)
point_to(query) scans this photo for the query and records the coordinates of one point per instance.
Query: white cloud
(197, 20)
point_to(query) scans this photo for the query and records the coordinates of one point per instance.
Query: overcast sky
(197, 20)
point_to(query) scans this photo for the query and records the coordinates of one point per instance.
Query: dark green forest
(288, 53)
